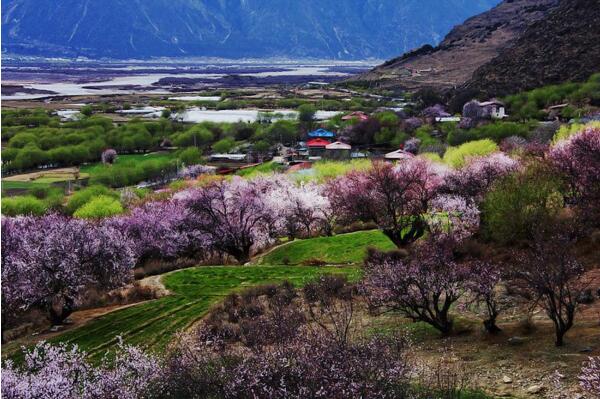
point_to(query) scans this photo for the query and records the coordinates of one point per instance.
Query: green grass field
(22, 185)
(133, 159)
(337, 250)
(153, 324)
(265, 168)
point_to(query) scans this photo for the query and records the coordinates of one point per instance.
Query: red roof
(361, 116)
(317, 142)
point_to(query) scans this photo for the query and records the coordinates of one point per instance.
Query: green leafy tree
(282, 131)
(224, 145)
(306, 113)
(520, 203)
(87, 110)
(190, 156)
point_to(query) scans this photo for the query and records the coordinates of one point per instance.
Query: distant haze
(332, 29)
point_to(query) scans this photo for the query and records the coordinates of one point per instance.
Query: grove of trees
(429, 210)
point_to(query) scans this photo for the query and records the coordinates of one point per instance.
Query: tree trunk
(559, 337)
(491, 327)
(59, 309)
(417, 229)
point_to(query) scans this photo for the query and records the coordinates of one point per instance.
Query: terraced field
(153, 324)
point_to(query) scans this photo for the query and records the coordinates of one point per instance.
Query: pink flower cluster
(590, 376)
(475, 178)
(454, 215)
(62, 372)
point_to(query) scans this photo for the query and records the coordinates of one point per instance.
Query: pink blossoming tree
(396, 198)
(550, 275)
(233, 216)
(49, 262)
(109, 156)
(578, 158)
(483, 280)
(422, 287)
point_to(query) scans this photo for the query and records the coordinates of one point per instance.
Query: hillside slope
(466, 48)
(338, 29)
(564, 46)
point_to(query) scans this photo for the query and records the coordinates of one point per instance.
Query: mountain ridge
(564, 46)
(120, 29)
(464, 49)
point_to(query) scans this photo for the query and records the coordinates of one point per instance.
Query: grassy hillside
(337, 250)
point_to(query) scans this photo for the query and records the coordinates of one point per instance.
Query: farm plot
(193, 291)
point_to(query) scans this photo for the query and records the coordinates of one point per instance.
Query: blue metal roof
(321, 133)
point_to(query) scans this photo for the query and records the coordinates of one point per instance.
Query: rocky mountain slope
(563, 46)
(338, 29)
(466, 48)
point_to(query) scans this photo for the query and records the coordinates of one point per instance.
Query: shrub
(256, 317)
(459, 136)
(23, 205)
(424, 134)
(316, 366)
(100, 207)
(567, 131)
(501, 130)
(457, 156)
(432, 156)
(129, 173)
(325, 170)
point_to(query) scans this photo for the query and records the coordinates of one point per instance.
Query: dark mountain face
(467, 47)
(564, 46)
(340, 29)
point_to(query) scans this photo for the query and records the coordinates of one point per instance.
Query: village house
(492, 109)
(317, 147)
(338, 151)
(555, 111)
(398, 155)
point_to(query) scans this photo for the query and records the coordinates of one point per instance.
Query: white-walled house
(493, 109)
